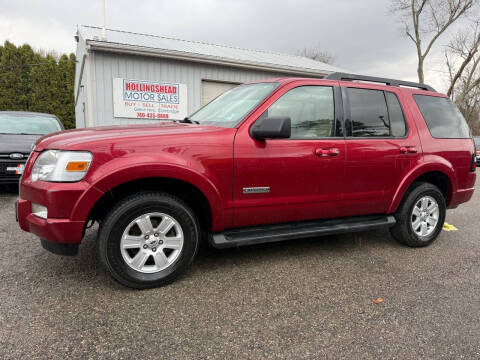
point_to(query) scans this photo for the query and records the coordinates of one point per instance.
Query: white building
(129, 78)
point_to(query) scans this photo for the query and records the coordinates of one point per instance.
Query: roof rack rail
(391, 82)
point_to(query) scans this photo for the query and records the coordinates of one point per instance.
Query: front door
(295, 179)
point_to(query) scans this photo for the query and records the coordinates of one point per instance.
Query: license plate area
(15, 169)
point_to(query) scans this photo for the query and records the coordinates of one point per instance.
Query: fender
(430, 163)
(114, 176)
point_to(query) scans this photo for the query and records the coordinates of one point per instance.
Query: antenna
(104, 30)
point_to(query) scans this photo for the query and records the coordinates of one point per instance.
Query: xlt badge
(256, 190)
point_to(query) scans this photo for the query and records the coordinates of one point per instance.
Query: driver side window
(311, 110)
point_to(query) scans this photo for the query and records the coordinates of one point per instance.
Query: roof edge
(97, 45)
(191, 41)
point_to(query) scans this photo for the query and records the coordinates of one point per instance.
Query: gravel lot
(301, 299)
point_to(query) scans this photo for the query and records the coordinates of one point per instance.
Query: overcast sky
(363, 35)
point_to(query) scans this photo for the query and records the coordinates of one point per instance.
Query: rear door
(382, 145)
(300, 178)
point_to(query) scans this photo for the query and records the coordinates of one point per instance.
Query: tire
(137, 262)
(403, 231)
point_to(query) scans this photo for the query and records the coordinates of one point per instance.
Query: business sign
(140, 99)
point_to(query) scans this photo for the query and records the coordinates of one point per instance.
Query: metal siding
(80, 92)
(95, 101)
(107, 66)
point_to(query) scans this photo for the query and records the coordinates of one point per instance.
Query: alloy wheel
(152, 242)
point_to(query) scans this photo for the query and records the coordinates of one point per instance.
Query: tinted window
(443, 118)
(28, 124)
(368, 112)
(395, 114)
(311, 110)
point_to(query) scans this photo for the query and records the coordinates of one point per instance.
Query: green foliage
(31, 81)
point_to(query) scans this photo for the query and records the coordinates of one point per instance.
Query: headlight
(61, 166)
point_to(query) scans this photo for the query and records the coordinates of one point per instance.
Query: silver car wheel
(152, 242)
(424, 217)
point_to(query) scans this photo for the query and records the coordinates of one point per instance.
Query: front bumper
(68, 206)
(53, 230)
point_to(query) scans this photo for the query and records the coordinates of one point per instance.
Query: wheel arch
(197, 191)
(439, 175)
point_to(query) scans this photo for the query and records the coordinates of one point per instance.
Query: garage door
(211, 89)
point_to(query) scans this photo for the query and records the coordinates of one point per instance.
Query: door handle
(327, 152)
(408, 150)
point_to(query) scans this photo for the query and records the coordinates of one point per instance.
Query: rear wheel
(420, 217)
(148, 240)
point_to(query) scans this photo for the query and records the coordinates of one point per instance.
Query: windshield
(231, 107)
(28, 124)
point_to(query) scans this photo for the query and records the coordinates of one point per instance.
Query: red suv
(266, 161)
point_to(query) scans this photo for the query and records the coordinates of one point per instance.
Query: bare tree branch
(429, 20)
(317, 55)
(467, 60)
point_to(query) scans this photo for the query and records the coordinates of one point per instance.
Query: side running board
(280, 232)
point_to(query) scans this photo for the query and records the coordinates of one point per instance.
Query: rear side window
(395, 114)
(369, 114)
(443, 118)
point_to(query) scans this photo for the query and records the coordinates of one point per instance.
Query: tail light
(473, 164)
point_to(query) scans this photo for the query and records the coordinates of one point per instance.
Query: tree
(465, 46)
(427, 20)
(14, 76)
(317, 55)
(463, 63)
(37, 81)
(65, 83)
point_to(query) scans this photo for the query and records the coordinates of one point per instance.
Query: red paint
(308, 179)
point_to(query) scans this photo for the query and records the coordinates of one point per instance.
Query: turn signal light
(77, 166)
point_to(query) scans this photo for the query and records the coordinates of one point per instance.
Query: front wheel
(420, 217)
(148, 240)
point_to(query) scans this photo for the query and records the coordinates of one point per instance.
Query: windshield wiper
(19, 134)
(189, 121)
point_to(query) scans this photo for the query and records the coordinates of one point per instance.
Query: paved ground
(300, 299)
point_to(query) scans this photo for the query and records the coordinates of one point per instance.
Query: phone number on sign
(151, 115)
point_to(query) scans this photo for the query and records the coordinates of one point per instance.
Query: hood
(14, 143)
(84, 139)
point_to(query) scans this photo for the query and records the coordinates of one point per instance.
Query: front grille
(7, 156)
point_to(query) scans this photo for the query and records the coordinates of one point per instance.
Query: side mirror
(271, 128)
